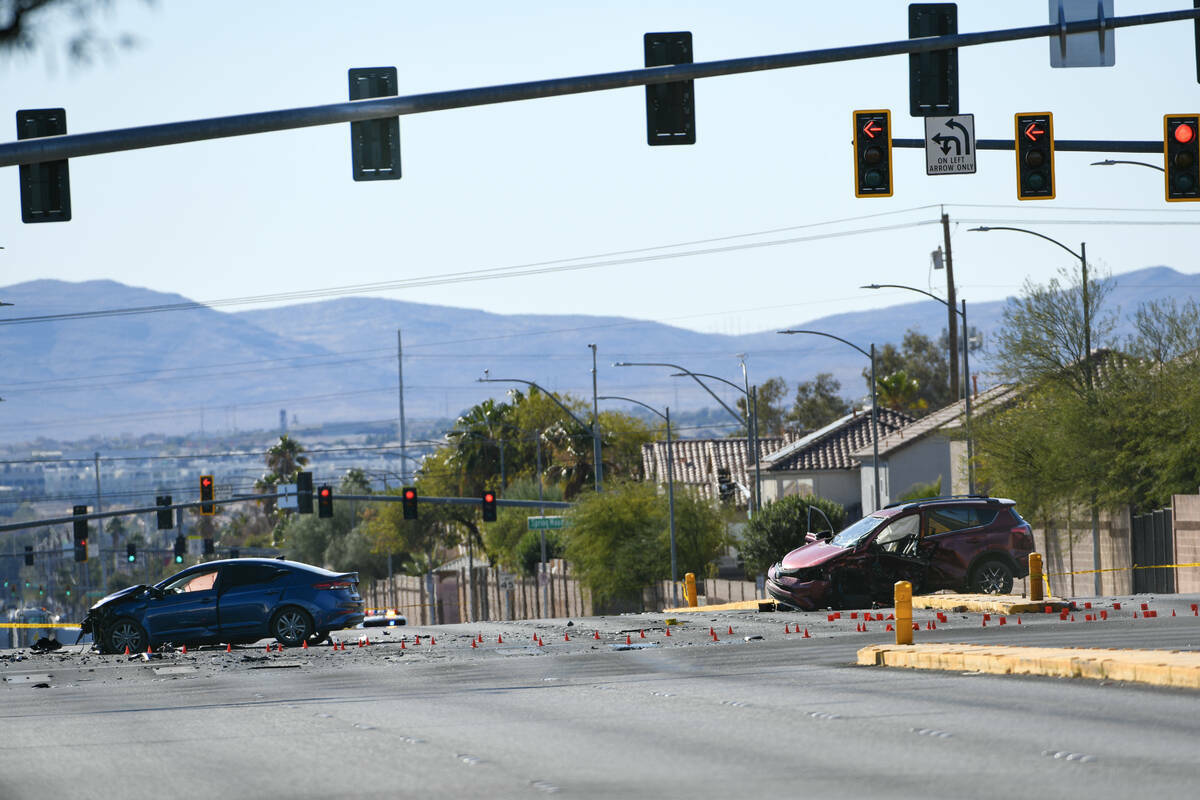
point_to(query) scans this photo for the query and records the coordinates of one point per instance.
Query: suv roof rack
(944, 497)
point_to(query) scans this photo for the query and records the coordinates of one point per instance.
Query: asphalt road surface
(679, 716)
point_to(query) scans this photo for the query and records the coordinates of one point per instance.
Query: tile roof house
(923, 451)
(708, 465)
(824, 463)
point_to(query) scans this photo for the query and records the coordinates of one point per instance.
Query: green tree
(615, 540)
(920, 359)
(817, 403)
(901, 392)
(23, 28)
(504, 537)
(529, 550)
(780, 527)
(700, 536)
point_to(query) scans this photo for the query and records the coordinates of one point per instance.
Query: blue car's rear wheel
(123, 633)
(291, 626)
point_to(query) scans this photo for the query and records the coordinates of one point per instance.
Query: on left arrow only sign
(950, 145)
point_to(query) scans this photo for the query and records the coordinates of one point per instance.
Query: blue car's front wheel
(291, 626)
(123, 633)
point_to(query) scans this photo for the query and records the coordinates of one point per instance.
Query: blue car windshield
(852, 535)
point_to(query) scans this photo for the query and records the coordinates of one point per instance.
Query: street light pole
(874, 402)
(1087, 368)
(670, 489)
(596, 424)
(966, 339)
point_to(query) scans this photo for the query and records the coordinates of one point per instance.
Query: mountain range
(184, 371)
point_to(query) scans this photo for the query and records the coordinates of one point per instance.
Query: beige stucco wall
(1186, 519)
(1066, 547)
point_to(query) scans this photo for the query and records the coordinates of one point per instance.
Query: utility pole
(99, 535)
(951, 307)
(400, 394)
(596, 426)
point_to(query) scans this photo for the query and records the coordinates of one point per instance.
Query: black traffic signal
(304, 487)
(206, 495)
(233, 552)
(670, 107)
(1035, 156)
(210, 546)
(873, 153)
(409, 501)
(374, 143)
(325, 501)
(180, 548)
(131, 553)
(45, 186)
(29, 555)
(1181, 155)
(165, 517)
(932, 76)
(81, 533)
(489, 506)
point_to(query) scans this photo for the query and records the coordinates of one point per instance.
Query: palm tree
(900, 392)
(285, 458)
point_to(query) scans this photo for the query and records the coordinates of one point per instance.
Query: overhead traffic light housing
(304, 492)
(45, 186)
(180, 548)
(165, 517)
(207, 507)
(210, 546)
(1181, 157)
(932, 76)
(873, 153)
(374, 143)
(131, 553)
(29, 555)
(670, 107)
(489, 506)
(80, 529)
(408, 500)
(325, 501)
(1034, 135)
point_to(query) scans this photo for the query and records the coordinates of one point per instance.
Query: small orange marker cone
(500, 638)
(1004, 620)
(1172, 614)
(731, 630)
(539, 641)
(1019, 621)
(787, 627)
(715, 639)
(627, 639)
(305, 644)
(642, 634)
(126, 649)
(596, 635)
(711, 632)
(268, 648)
(668, 630)
(432, 641)
(402, 647)
(228, 647)
(889, 627)
(474, 645)
(806, 636)
(566, 637)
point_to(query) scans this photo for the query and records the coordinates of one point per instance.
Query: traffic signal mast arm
(1065, 145)
(53, 148)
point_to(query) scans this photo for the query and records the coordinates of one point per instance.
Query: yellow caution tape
(40, 625)
(1122, 569)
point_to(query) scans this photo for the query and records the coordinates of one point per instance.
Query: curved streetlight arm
(1108, 162)
(911, 289)
(566, 410)
(687, 371)
(830, 336)
(986, 228)
(706, 375)
(631, 400)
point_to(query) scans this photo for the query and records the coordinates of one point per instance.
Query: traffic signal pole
(54, 148)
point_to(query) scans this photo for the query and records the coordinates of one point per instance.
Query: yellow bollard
(904, 623)
(689, 589)
(1035, 576)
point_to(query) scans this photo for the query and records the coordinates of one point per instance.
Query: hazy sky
(572, 177)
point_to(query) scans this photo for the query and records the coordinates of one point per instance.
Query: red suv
(975, 544)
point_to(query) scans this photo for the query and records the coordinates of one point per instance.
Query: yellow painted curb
(741, 605)
(991, 603)
(1154, 667)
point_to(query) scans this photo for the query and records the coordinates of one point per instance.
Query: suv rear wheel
(992, 576)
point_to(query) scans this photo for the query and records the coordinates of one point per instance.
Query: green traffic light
(178, 559)
(131, 559)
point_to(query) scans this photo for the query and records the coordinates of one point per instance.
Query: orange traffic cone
(229, 647)
(126, 649)
(642, 634)
(500, 638)
(402, 647)
(185, 650)
(731, 630)
(474, 645)
(432, 641)
(596, 635)
(668, 630)
(305, 645)
(627, 639)
(566, 637)
(806, 636)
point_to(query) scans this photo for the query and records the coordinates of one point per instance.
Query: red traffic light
(409, 494)
(488, 497)
(206, 481)
(1184, 133)
(326, 491)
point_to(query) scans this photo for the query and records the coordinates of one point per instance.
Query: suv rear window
(956, 518)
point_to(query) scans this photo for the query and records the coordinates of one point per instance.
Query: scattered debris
(44, 645)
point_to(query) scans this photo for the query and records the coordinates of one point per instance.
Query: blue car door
(187, 609)
(249, 595)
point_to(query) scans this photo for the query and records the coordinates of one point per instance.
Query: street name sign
(545, 523)
(287, 497)
(950, 145)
